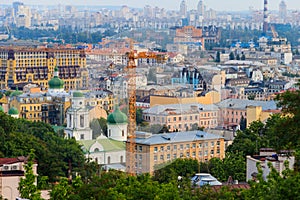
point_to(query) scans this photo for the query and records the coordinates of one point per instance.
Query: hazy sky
(171, 4)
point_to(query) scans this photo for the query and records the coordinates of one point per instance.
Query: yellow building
(255, 113)
(207, 98)
(157, 149)
(19, 65)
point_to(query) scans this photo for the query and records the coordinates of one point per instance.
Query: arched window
(81, 121)
(96, 150)
(123, 133)
(108, 160)
(121, 159)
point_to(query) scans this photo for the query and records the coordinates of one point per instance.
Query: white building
(266, 156)
(78, 122)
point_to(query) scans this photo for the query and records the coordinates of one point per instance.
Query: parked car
(201, 179)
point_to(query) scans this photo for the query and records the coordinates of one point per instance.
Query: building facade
(22, 65)
(154, 150)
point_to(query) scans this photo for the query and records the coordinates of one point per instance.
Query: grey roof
(243, 103)
(180, 108)
(174, 137)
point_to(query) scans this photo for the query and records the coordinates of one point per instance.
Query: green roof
(117, 117)
(13, 111)
(77, 94)
(107, 144)
(56, 82)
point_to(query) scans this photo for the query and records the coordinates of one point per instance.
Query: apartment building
(154, 150)
(11, 170)
(19, 65)
(233, 110)
(183, 117)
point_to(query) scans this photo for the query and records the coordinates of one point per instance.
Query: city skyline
(230, 5)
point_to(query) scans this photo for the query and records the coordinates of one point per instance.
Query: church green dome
(56, 82)
(1, 109)
(15, 93)
(117, 117)
(77, 94)
(13, 111)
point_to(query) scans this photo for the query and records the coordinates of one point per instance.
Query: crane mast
(130, 144)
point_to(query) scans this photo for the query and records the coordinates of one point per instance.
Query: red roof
(4, 161)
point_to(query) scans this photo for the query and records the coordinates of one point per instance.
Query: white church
(107, 151)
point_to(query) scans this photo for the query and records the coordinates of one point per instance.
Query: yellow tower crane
(130, 144)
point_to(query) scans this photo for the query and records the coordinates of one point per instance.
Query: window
(191, 117)
(218, 151)
(194, 154)
(212, 152)
(181, 155)
(168, 148)
(206, 144)
(200, 153)
(200, 145)
(81, 121)
(168, 157)
(123, 133)
(121, 159)
(179, 118)
(187, 146)
(155, 149)
(174, 156)
(140, 157)
(205, 153)
(96, 150)
(181, 146)
(218, 142)
(162, 148)
(140, 148)
(188, 154)
(196, 117)
(108, 160)
(82, 137)
(161, 157)
(174, 119)
(155, 158)
(212, 144)
(194, 145)
(175, 147)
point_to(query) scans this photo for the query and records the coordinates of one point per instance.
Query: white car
(201, 179)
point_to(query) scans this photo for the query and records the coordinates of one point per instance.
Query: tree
(231, 56)
(27, 186)
(139, 116)
(166, 172)
(243, 123)
(218, 57)
(103, 124)
(243, 57)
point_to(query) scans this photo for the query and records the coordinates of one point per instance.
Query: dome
(56, 82)
(77, 94)
(13, 111)
(117, 117)
(15, 93)
(1, 109)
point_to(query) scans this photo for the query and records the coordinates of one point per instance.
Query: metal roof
(174, 137)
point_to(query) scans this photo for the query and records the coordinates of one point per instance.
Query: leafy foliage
(54, 154)
(27, 187)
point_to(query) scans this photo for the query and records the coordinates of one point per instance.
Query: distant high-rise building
(200, 8)
(266, 17)
(183, 8)
(282, 11)
(148, 11)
